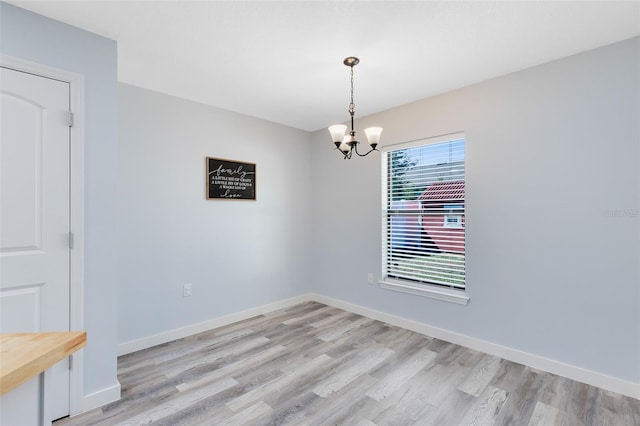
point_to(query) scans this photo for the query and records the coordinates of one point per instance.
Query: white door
(34, 213)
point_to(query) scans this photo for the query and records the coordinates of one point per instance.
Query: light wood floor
(318, 365)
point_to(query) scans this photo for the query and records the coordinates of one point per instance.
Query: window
(424, 218)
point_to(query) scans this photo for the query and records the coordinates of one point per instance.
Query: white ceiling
(282, 61)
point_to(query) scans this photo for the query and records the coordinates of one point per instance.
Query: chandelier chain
(352, 106)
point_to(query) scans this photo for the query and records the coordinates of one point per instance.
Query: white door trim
(76, 208)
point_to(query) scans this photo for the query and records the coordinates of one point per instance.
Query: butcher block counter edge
(25, 355)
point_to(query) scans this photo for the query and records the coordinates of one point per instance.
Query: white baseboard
(100, 398)
(178, 333)
(535, 361)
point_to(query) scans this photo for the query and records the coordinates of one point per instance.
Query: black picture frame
(230, 180)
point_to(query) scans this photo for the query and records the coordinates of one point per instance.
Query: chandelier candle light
(346, 143)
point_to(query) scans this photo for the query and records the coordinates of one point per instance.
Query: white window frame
(433, 291)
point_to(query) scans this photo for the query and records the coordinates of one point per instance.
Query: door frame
(76, 209)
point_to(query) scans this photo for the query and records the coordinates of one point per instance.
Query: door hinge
(70, 362)
(70, 119)
(71, 240)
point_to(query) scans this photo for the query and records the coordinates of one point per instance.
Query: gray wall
(552, 214)
(35, 38)
(236, 254)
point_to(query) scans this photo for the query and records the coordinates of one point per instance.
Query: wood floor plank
(411, 401)
(345, 346)
(334, 316)
(157, 412)
(203, 411)
(229, 369)
(544, 415)
(341, 330)
(486, 408)
(327, 412)
(313, 364)
(440, 381)
(309, 317)
(521, 402)
(508, 376)
(364, 422)
(481, 374)
(401, 374)
(450, 411)
(279, 383)
(344, 376)
(240, 347)
(404, 406)
(249, 415)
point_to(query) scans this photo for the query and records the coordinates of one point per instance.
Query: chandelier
(345, 142)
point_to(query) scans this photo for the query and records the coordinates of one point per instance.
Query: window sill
(425, 290)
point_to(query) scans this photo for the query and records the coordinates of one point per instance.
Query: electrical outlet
(186, 290)
(370, 279)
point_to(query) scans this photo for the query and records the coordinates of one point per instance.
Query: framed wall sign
(230, 180)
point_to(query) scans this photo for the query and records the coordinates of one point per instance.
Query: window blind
(424, 212)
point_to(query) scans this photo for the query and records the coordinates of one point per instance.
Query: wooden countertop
(25, 355)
